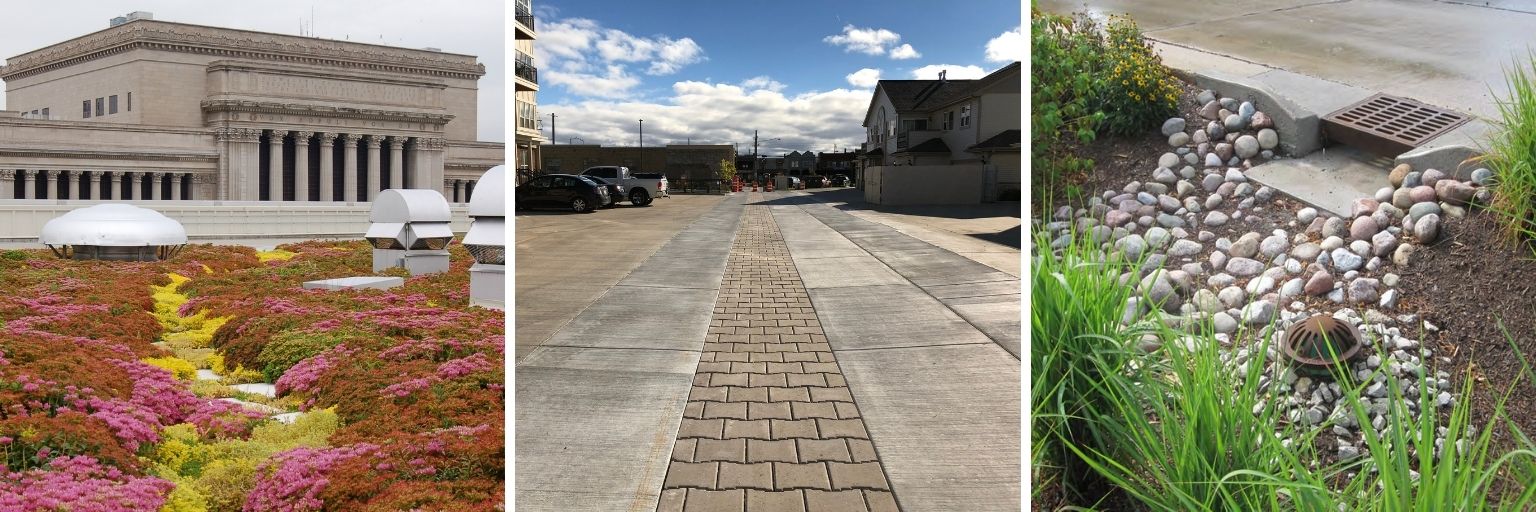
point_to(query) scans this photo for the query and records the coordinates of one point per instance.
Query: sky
(711, 72)
(472, 27)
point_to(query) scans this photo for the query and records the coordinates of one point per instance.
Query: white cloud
(615, 84)
(762, 82)
(575, 49)
(717, 113)
(864, 78)
(904, 52)
(955, 72)
(869, 41)
(1007, 47)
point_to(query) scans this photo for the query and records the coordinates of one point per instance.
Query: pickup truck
(640, 190)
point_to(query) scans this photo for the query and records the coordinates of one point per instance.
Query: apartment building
(526, 75)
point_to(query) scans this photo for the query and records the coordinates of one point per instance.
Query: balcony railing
(527, 72)
(527, 21)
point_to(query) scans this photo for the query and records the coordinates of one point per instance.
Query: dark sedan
(561, 191)
(615, 192)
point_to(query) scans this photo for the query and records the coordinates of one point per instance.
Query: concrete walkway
(919, 366)
(1445, 53)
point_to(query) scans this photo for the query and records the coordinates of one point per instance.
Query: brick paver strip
(770, 425)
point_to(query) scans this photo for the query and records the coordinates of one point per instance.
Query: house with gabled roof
(949, 122)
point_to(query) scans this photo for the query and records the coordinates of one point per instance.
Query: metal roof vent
(487, 240)
(114, 231)
(1321, 342)
(410, 229)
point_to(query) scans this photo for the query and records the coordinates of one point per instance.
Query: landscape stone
(1398, 173)
(1261, 121)
(1482, 176)
(1422, 194)
(1258, 313)
(1362, 206)
(1305, 215)
(1432, 176)
(1383, 243)
(1243, 267)
(1454, 192)
(1233, 123)
(1306, 251)
(1215, 218)
(1320, 283)
(1427, 229)
(1363, 228)
(1168, 160)
(1215, 130)
(1344, 260)
(1173, 125)
(1246, 146)
(1364, 290)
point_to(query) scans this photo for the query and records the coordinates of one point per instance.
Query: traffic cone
(770, 186)
(754, 186)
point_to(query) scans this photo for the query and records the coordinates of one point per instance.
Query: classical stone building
(155, 110)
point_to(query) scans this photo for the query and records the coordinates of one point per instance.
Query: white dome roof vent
(114, 231)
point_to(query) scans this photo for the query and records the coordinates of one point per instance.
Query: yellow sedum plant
(275, 255)
(194, 331)
(216, 475)
(180, 368)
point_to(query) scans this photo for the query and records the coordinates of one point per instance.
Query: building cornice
(266, 107)
(32, 152)
(232, 43)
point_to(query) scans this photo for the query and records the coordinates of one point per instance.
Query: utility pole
(552, 139)
(757, 161)
(642, 134)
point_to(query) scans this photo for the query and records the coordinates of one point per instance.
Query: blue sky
(799, 71)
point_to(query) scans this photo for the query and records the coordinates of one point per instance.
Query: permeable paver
(770, 423)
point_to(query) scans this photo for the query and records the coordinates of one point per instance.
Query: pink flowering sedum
(80, 484)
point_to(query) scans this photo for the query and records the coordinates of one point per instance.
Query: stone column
(239, 164)
(27, 180)
(95, 185)
(198, 180)
(50, 185)
(74, 181)
(396, 162)
(275, 165)
(135, 185)
(349, 167)
(434, 156)
(176, 178)
(469, 190)
(327, 176)
(374, 169)
(301, 166)
(116, 182)
(7, 184)
(156, 180)
(458, 191)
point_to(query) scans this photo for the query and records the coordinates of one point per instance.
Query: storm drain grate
(1389, 125)
(1321, 342)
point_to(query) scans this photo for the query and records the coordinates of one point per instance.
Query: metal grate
(1389, 125)
(1321, 342)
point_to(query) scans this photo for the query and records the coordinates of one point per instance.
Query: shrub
(1063, 85)
(1140, 92)
(180, 368)
(288, 348)
(1511, 155)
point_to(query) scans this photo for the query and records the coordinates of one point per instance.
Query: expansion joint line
(770, 424)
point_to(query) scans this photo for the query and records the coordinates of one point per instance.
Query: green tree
(727, 169)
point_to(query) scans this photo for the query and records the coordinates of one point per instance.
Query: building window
(85, 109)
(949, 120)
(112, 104)
(130, 102)
(45, 114)
(100, 103)
(965, 116)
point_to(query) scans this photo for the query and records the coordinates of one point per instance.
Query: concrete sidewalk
(918, 345)
(1445, 53)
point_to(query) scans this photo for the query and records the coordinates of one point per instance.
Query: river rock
(1274, 245)
(1211, 160)
(1362, 206)
(1482, 176)
(1363, 228)
(1306, 252)
(1427, 229)
(1173, 125)
(1185, 247)
(1454, 192)
(1233, 123)
(1268, 139)
(1320, 283)
(1222, 151)
(1422, 194)
(1210, 110)
(1232, 296)
(1344, 260)
(1398, 173)
(1168, 160)
(1216, 130)
(1404, 255)
(1431, 177)
(1334, 226)
(1383, 244)
(1244, 267)
(1215, 218)
(1258, 313)
(1364, 290)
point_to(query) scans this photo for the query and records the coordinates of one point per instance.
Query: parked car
(615, 192)
(561, 191)
(639, 191)
(666, 185)
(839, 180)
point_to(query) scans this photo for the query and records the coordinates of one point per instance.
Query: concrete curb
(1299, 129)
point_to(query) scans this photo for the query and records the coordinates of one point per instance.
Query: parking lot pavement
(778, 353)
(565, 261)
(988, 233)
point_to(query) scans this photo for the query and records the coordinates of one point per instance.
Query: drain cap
(1315, 342)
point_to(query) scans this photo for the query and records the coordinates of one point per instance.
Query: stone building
(155, 110)
(677, 161)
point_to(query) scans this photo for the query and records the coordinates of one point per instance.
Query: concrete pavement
(1449, 54)
(920, 343)
(565, 261)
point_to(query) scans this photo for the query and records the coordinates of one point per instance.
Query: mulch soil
(1469, 284)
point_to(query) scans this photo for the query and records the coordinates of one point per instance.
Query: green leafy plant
(727, 169)
(1063, 85)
